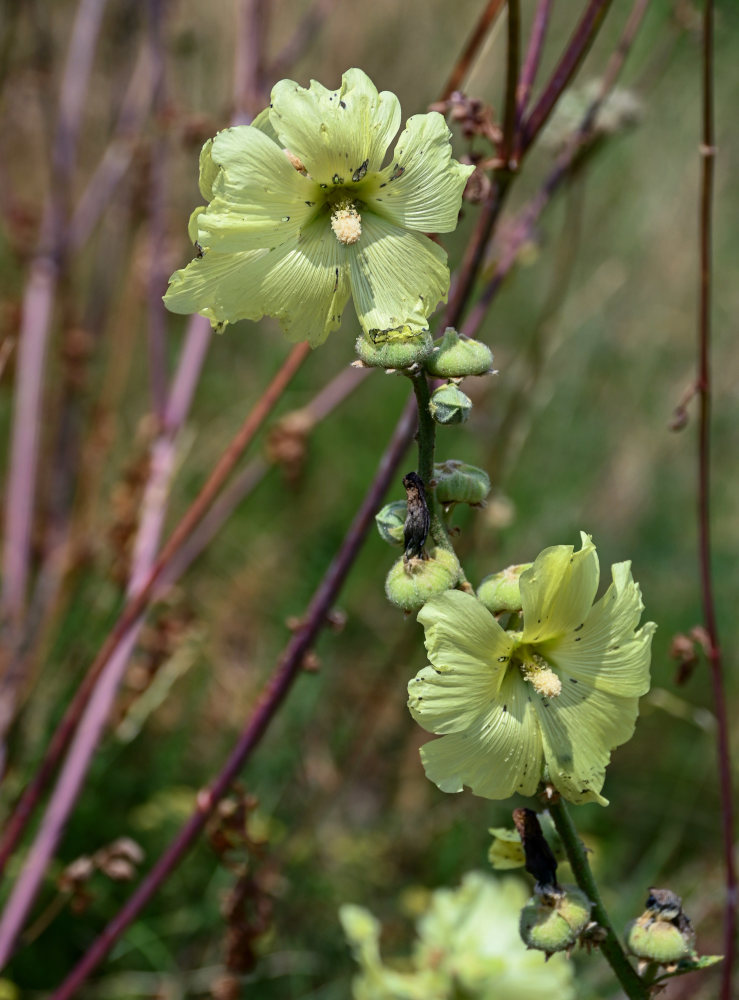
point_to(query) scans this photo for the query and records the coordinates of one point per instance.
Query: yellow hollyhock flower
(302, 215)
(548, 702)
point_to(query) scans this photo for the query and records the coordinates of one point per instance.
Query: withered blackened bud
(417, 521)
(540, 861)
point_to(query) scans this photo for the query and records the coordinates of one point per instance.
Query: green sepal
(449, 405)
(457, 356)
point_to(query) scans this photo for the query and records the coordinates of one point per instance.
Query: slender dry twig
(715, 659)
(511, 86)
(464, 62)
(273, 695)
(582, 38)
(38, 305)
(532, 59)
(157, 326)
(138, 603)
(568, 159)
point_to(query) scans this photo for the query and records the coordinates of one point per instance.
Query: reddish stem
(138, 604)
(532, 58)
(474, 42)
(708, 159)
(273, 694)
(581, 40)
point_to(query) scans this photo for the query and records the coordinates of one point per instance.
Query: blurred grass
(349, 814)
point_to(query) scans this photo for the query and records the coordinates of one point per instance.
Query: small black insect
(418, 519)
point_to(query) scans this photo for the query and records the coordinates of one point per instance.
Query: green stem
(632, 984)
(426, 446)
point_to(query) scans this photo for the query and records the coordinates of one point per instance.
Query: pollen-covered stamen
(346, 223)
(296, 161)
(540, 675)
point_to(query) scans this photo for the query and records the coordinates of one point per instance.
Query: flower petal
(579, 728)
(605, 651)
(469, 653)
(208, 170)
(303, 284)
(499, 754)
(398, 277)
(558, 591)
(259, 200)
(336, 133)
(422, 186)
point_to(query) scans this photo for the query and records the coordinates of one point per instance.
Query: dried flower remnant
(548, 702)
(303, 215)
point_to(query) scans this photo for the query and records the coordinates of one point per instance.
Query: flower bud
(449, 405)
(656, 941)
(394, 351)
(554, 921)
(390, 521)
(457, 482)
(410, 583)
(456, 356)
(502, 591)
(663, 933)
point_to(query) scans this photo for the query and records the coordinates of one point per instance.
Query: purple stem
(38, 305)
(580, 43)
(287, 670)
(118, 155)
(157, 327)
(532, 58)
(715, 657)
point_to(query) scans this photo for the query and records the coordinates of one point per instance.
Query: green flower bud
(410, 583)
(656, 941)
(502, 591)
(390, 522)
(457, 482)
(449, 405)
(554, 921)
(394, 352)
(456, 356)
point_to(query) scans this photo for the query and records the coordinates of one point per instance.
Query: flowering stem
(426, 447)
(633, 986)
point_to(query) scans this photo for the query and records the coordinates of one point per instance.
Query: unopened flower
(548, 702)
(302, 215)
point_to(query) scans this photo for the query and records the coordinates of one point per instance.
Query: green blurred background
(594, 336)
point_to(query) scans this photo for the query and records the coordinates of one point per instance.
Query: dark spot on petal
(579, 626)
(384, 184)
(310, 204)
(505, 708)
(574, 681)
(614, 648)
(398, 171)
(342, 104)
(502, 659)
(360, 172)
(337, 180)
(578, 638)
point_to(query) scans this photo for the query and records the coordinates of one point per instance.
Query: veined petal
(422, 186)
(397, 277)
(336, 133)
(605, 651)
(208, 170)
(469, 653)
(259, 200)
(264, 124)
(498, 755)
(579, 728)
(303, 284)
(558, 591)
